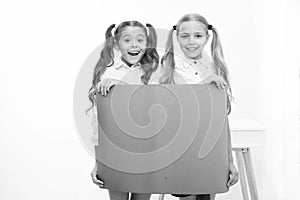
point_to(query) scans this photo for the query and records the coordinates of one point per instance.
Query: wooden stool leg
(250, 174)
(161, 197)
(240, 165)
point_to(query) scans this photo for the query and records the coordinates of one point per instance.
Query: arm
(230, 157)
(105, 84)
(94, 139)
(215, 79)
(94, 172)
(233, 173)
(94, 124)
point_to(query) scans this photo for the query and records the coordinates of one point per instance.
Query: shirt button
(196, 73)
(195, 62)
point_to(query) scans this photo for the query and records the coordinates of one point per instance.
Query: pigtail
(152, 37)
(220, 65)
(168, 61)
(106, 59)
(150, 59)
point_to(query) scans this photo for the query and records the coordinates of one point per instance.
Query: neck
(197, 58)
(127, 63)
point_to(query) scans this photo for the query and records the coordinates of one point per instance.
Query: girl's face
(192, 37)
(132, 44)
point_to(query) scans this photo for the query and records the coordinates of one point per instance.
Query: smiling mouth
(134, 53)
(192, 48)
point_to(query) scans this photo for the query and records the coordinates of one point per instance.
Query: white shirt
(188, 71)
(120, 71)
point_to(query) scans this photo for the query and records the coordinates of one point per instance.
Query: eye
(126, 40)
(140, 40)
(184, 36)
(199, 36)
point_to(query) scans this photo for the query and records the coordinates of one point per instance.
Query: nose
(191, 40)
(134, 44)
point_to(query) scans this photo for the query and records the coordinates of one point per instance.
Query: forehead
(192, 26)
(133, 31)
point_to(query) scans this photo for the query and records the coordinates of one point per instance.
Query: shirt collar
(119, 63)
(205, 60)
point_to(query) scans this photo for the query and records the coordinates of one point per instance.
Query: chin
(133, 61)
(194, 55)
(190, 56)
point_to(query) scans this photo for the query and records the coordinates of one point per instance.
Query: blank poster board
(163, 139)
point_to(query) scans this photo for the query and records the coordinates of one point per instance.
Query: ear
(177, 36)
(207, 38)
(116, 46)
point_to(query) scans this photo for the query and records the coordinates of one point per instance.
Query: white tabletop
(246, 132)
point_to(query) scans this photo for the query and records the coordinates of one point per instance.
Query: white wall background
(44, 43)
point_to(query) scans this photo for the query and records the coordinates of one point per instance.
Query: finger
(95, 177)
(99, 181)
(98, 87)
(222, 85)
(101, 87)
(233, 180)
(112, 83)
(101, 186)
(100, 84)
(96, 180)
(236, 178)
(214, 83)
(94, 90)
(218, 85)
(106, 87)
(230, 181)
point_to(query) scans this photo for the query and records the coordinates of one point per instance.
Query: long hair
(168, 61)
(149, 62)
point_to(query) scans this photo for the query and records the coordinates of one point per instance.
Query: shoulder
(156, 75)
(113, 68)
(180, 62)
(208, 61)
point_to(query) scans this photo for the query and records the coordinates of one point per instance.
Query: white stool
(246, 171)
(161, 197)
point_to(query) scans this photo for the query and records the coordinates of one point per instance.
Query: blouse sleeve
(94, 124)
(155, 76)
(104, 76)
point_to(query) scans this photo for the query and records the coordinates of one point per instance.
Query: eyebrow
(141, 35)
(128, 35)
(196, 33)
